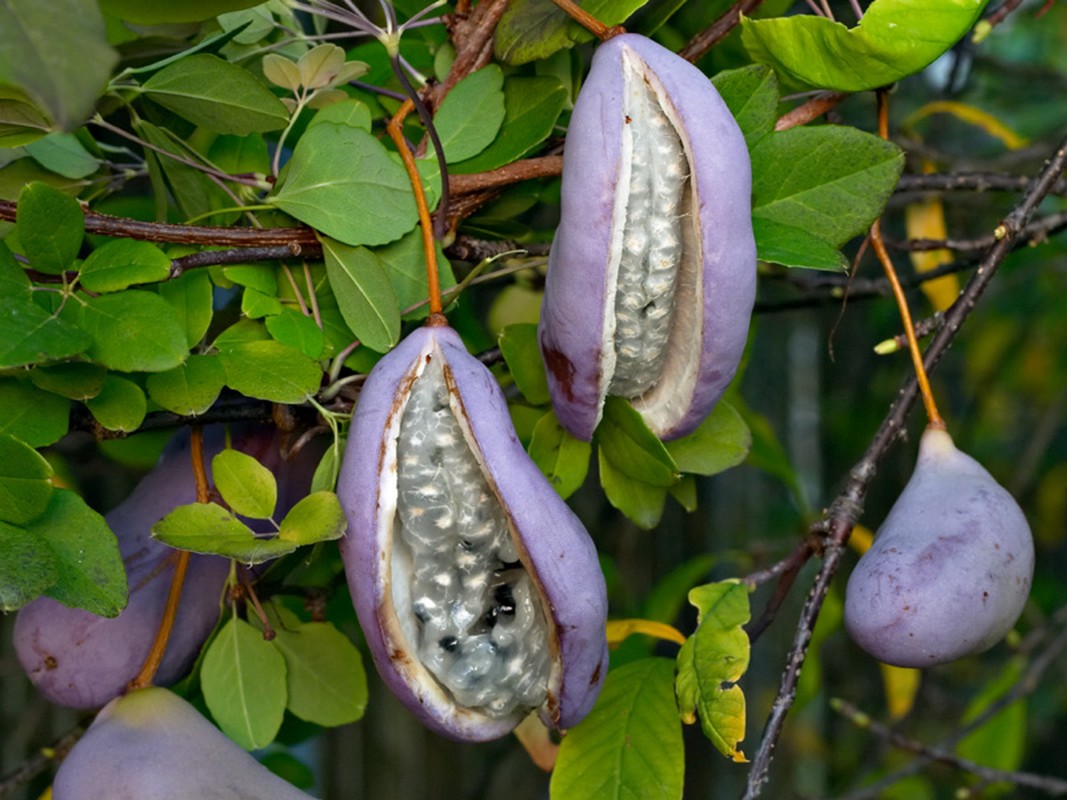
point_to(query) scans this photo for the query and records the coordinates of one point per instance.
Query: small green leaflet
(121, 263)
(133, 331)
(791, 246)
(531, 107)
(630, 745)
(243, 680)
(77, 380)
(120, 404)
(562, 458)
(36, 417)
(25, 481)
(751, 94)
(895, 38)
(722, 441)
(51, 225)
(631, 447)
(30, 335)
(269, 370)
(190, 297)
(217, 95)
(364, 294)
(292, 328)
(210, 528)
(64, 155)
(471, 114)
(343, 182)
(247, 486)
(190, 388)
(316, 518)
(641, 502)
(518, 345)
(712, 661)
(326, 682)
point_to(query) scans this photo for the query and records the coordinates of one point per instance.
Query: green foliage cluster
(126, 125)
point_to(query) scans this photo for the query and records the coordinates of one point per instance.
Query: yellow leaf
(861, 539)
(972, 116)
(901, 685)
(925, 219)
(619, 629)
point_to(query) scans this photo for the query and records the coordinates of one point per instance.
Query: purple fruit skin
(572, 322)
(558, 548)
(152, 745)
(950, 569)
(82, 660)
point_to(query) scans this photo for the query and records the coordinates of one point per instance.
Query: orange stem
(589, 22)
(429, 247)
(181, 565)
(878, 245)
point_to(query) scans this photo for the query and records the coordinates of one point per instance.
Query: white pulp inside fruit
(475, 614)
(654, 190)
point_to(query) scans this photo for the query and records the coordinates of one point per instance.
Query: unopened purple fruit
(152, 745)
(950, 569)
(478, 590)
(652, 273)
(81, 660)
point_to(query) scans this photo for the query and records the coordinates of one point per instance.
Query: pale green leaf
(795, 247)
(641, 502)
(210, 528)
(751, 94)
(292, 328)
(120, 405)
(722, 441)
(270, 370)
(562, 458)
(64, 154)
(625, 440)
(316, 518)
(518, 345)
(190, 388)
(247, 486)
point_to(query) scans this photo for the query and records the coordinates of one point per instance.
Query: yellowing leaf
(861, 539)
(711, 662)
(620, 629)
(972, 116)
(901, 686)
(926, 220)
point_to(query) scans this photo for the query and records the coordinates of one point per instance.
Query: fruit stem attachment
(148, 671)
(878, 245)
(429, 246)
(589, 22)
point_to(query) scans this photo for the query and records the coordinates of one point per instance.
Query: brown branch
(846, 508)
(812, 109)
(471, 32)
(700, 44)
(527, 169)
(971, 182)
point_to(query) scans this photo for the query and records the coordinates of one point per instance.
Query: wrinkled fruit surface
(81, 660)
(652, 273)
(152, 745)
(950, 568)
(478, 590)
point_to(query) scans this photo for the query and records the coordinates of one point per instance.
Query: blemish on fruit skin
(50, 662)
(562, 369)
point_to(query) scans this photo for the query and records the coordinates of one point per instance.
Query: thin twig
(40, 761)
(845, 510)
(700, 44)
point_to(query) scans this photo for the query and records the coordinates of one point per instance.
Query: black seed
(449, 643)
(506, 565)
(506, 600)
(420, 612)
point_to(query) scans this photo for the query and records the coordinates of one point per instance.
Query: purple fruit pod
(478, 590)
(652, 273)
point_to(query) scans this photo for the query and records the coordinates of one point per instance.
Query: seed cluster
(651, 238)
(481, 629)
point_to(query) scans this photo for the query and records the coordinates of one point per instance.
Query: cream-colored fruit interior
(656, 278)
(465, 599)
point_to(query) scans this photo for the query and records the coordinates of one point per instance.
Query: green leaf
(14, 282)
(350, 113)
(751, 94)
(217, 95)
(153, 12)
(243, 680)
(342, 182)
(262, 277)
(531, 107)
(120, 405)
(190, 388)
(405, 264)
(77, 380)
(711, 662)
(794, 247)
(1000, 742)
(326, 681)
(895, 38)
(641, 502)
(562, 458)
(30, 335)
(292, 328)
(51, 225)
(133, 331)
(25, 481)
(685, 492)
(630, 745)
(256, 305)
(317, 518)
(325, 477)
(242, 332)
(210, 528)
(530, 30)
(722, 441)
(830, 180)
(191, 297)
(121, 263)
(518, 345)
(64, 155)
(59, 58)
(89, 569)
(27, 567)
(271, 371)
(471, 114)
(247, 486)
(364, 294)
(629, 445)
(38, 418)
